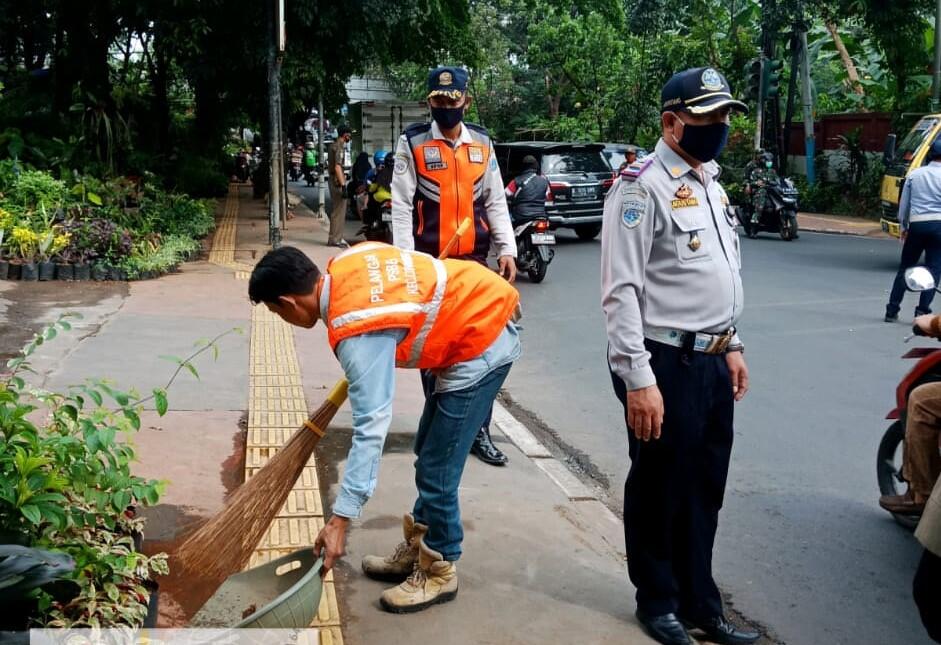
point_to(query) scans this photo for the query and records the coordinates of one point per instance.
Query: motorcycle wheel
(537, 269)
(888, 475)
(789, 226)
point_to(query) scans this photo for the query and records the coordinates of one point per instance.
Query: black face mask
(704, 142)
(447, 118)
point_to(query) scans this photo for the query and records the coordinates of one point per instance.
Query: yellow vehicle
(899, 161)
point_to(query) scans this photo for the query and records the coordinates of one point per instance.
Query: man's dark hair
(282, 272)
(530, 162)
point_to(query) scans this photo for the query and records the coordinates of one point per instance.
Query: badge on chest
(684, 198)
(433, 159)
(475, 154)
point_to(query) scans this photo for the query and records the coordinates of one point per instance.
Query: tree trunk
(848, 63)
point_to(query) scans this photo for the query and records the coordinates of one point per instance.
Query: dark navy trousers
(923, 237)
(676, 484)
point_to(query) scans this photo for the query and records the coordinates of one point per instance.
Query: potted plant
(25, 243)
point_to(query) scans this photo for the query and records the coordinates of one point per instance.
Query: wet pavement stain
(167, 528)
(25, 307)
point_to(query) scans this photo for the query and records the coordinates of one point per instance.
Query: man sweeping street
(386, 307)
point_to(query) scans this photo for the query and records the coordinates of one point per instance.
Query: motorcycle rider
(528, 192)
(379, 188)
(310, 161)
(762, 176)
(921, 462)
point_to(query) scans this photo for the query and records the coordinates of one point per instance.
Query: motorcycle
(534, 248)
(779, 214)
(378, 229)
(295, 171)
(926, 370)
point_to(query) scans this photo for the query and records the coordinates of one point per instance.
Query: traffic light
(753, 80)
(771, 78)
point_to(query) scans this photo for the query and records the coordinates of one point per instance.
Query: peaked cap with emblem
(447, 81)
(698, 91)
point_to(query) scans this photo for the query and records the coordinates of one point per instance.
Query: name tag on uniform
(476, 155)
(433, 159)
(687, 202)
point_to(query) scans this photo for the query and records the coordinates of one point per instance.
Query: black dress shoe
(665, 628)
(719, 630)
(484, 449)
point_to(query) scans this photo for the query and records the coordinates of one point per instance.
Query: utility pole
(322, 184)
(276, 150)
(760, 106)
(936, 81)
(808, 103)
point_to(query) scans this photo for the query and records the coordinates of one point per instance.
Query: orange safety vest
(452, 310)
(449, 189)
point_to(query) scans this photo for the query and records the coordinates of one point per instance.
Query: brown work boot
(902, 504)
(399, 565)
(434, 580)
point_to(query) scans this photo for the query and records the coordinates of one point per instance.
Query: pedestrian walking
(671, 294)
(446, 171)
(335, 155)
(920, 231)
(391, 308)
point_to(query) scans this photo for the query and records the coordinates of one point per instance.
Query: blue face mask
(703, 142)
(447, 118)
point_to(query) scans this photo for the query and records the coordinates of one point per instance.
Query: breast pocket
(691, 234)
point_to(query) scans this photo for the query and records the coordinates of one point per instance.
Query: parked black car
(578, 174)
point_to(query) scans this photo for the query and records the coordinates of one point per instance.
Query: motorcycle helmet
(379, 157)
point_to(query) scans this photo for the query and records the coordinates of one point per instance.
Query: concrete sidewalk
(840, 225)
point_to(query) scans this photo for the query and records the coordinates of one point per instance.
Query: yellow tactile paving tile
(302, 503)
(328, 613)
(292, 533)
(277, 408)
(331, 636)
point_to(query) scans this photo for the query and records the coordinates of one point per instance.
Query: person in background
(920, 231)
(310, 162)
(630, 156)
(335, 156)
(527, 193)
(446, 171)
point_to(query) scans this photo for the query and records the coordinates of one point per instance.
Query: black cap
(343, 129)
(447, 81)
(698, 91)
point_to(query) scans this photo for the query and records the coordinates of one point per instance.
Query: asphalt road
(803, 547)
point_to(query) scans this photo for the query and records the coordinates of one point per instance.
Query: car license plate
(543, 238)
(386, 216)
(583, 192)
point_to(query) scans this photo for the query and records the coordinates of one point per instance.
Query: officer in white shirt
(672, 293)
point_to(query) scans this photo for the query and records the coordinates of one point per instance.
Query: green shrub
(199, 176)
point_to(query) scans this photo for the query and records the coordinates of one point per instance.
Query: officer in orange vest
(446, 171)
(385, 307)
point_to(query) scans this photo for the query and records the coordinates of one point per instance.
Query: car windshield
(909, 145)
(574, 161)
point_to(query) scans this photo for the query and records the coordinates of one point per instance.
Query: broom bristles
(225, 543)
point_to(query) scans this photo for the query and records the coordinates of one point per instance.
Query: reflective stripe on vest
(450, 310)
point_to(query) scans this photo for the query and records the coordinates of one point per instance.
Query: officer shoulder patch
(636, 169)
(401, 164)
(634, 207)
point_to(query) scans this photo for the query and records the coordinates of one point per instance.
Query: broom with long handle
(225, 543)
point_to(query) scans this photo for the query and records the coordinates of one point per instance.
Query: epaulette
(636, 169)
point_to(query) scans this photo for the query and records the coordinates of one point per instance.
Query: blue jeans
(923, 237)
(448, 425)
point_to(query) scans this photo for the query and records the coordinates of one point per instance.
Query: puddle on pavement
(167, 528)
(27, 306)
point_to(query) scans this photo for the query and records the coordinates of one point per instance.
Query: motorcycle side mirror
(919, 279)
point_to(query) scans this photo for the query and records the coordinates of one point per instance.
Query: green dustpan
(284, 600)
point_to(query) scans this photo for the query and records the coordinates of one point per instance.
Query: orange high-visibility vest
(452, 310)
(449, 190)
